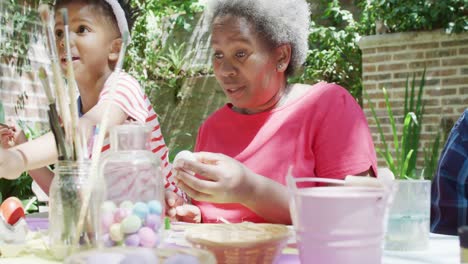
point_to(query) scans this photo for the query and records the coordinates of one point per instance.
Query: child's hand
(177, 210)
(11, 135)
(224, 179)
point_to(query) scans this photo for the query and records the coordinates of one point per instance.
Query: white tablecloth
(442, 250)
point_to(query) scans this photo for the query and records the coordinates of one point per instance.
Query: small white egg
(185, 154)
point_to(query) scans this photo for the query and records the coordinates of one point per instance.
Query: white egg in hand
(186, 155)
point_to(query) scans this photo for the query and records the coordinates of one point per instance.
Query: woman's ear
(283, 53)
(115, 47)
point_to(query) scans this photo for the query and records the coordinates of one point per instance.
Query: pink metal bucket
(340, 224)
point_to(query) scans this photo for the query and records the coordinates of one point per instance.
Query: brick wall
(179, 119)
(14, 80)
(388, 59)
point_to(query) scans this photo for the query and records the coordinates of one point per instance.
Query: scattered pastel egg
(182, 259)
(107, 219)
(116, 232)
(126, 204)
(107, 241)
(131, 224)
(153, 221)
(120, 214)
(132, 240)
(147, 237)
(108, 207)
(140, 209)
(155, 207)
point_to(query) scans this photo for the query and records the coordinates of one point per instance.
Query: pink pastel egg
(107, 219)
(147, 237)
(120, 214)
(153, 221)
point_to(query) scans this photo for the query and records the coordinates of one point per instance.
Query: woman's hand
(223, 179)
(178, 210)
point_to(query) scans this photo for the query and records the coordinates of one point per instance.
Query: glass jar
(133, 210)
(66, 194)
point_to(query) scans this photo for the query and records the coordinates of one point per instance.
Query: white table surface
(442, 250)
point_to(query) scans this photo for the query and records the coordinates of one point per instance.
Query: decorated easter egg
(131, 224)
(126, 204)
(155, 207)
(115, 232)
(147, 237)
(108, 207)
(120, 214)
(140, 209)
(12, 210)
(153, 221)
(107, 219)
(132, 240)
(182, 259)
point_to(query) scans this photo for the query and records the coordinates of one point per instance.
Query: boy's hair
(131, 13)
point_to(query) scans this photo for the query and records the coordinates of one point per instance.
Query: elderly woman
(244, 149)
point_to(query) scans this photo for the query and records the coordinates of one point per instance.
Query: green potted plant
(409, 215)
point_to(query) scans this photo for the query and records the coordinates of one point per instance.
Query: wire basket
(240, 243)
(162, 254)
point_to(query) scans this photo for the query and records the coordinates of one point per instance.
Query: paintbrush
(96, 152)
(58, 81)
(53, 115)
(77, 153)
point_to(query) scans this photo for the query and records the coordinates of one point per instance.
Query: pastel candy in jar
(132, 224)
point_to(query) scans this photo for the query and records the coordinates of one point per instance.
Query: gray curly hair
(281, 22)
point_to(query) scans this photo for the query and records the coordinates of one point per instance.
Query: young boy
(96, 28)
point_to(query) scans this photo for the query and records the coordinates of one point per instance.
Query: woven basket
(240, 243)
(203, 256)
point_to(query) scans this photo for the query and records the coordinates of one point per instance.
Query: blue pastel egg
(132, 240)
(140, 209)
(153, 221)
(147, 237)
(182, 259)
(155, 207)
(130, 224)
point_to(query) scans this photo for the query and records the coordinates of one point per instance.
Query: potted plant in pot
(409, 215)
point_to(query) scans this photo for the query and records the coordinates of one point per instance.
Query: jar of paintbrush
(69, 185)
